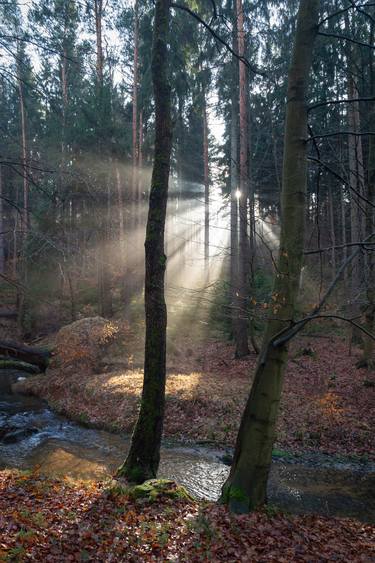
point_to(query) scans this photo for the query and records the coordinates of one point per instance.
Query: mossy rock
(154, 488)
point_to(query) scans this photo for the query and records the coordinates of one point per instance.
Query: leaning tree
(246, 486)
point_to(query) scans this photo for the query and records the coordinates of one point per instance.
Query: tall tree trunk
(98, 9)
(239, 321)
(242, 347)
(140, 156)
(22, 266)
(120, 213)
(135, 179)
(367, 359)
(238, 330)
(2, 235)
(332, 230)
(104, 284)
(206, 183)
(246, 486)
(144, 454)
(355, 158)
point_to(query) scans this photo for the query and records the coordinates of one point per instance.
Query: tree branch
(345, 38)
(336, 133)
(218, 38)
(343, 101)
(345, 182)
(288, 333)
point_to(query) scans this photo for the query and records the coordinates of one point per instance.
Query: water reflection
(60, 447)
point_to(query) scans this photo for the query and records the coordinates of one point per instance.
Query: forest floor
(327, 404)
(44, 519)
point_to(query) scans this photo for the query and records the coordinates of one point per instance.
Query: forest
(187, 280)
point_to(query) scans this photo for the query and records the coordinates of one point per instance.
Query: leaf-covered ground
(56, 520)
(328, 405)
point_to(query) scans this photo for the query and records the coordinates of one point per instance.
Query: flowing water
(32, 435)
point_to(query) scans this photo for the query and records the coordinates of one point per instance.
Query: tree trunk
(37, 356)
(135, 107)
(242, 347)
(206, 184)
(367, 359)
(332, 230)
(246, 486)
(144, 454)
(238, 330)
(140, 156)
(104, 283)
(98, 9)
(2, 236)
(22, 265)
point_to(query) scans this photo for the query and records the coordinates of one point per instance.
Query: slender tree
(242, 346)
(143, 458)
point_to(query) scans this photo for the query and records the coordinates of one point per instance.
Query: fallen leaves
(96, 522)
(325, 406)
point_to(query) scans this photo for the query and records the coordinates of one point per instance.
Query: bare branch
(345, 38)
(345, 182)
(338, 246)
(288, 333)
(336, 133)
(344, 101)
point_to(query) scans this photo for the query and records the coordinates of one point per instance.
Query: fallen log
(19, 366)
(37, 356)
(7, 314)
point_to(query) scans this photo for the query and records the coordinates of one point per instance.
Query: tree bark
(104, 282)
(2, 237)
(246, 486)
(367, 359)
(144, 454)
(242, 347)
(22, 263)
(135, 179)
(332, 230)
(238, 330)
(206, 184)
(140, 156)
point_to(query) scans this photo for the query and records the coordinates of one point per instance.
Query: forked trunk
(246, 486)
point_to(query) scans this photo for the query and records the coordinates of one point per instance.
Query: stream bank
(311, 483)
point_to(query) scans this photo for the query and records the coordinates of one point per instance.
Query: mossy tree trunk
(143, 458)
(246, 486)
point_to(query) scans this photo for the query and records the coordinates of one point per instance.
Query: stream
(32, 435)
